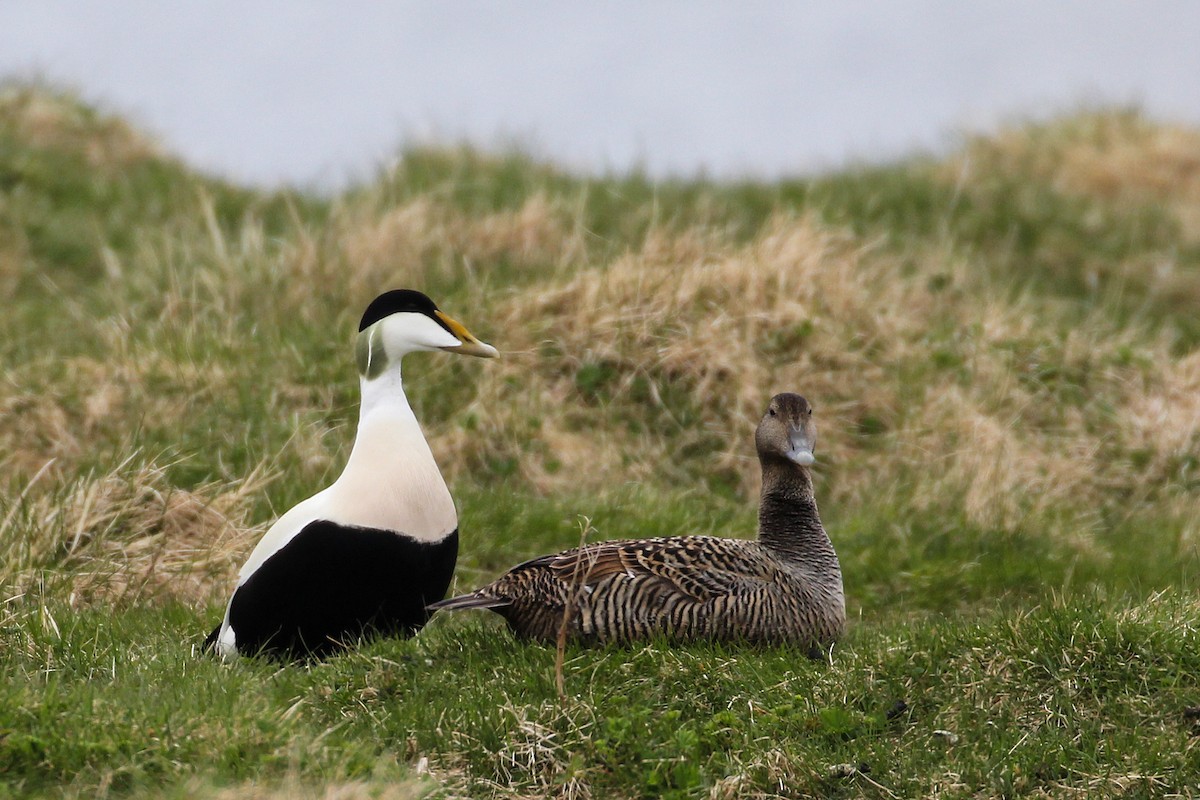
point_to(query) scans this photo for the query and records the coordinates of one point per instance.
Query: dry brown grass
(1119, 157)
(690, 325)
(424, 231)
(61, 412)
(129, 536)
(54, 120)
(710, 330)
(1164, 413)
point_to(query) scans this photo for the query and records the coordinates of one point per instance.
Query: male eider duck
(786, 587)
(366, 555)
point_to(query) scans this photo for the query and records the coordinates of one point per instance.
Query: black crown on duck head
(395, 302)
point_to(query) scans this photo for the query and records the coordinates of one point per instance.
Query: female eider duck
(786, 587)
(367, 554)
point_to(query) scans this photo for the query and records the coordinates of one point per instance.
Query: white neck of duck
(391, 480)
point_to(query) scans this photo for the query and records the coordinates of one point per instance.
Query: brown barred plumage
(784, 587)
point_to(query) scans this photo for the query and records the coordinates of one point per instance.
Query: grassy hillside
(1002, 347)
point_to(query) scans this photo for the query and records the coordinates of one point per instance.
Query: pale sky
(323, 92)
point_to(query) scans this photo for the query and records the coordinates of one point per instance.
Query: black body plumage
(786, 587)
(352, 589)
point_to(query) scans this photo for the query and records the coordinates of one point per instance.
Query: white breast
(391, 482)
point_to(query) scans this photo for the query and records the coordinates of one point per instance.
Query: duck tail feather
(210, 641)
(472, 600)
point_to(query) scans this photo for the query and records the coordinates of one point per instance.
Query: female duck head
(405, 321)
(787, 430)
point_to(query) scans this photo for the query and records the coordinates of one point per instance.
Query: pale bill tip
(804, 458)
(473, 348)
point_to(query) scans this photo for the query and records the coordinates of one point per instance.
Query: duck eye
(771, 411)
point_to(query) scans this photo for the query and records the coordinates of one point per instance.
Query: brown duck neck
(788, 522)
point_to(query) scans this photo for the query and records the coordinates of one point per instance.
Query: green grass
(1001, 347)
(1090, 695)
